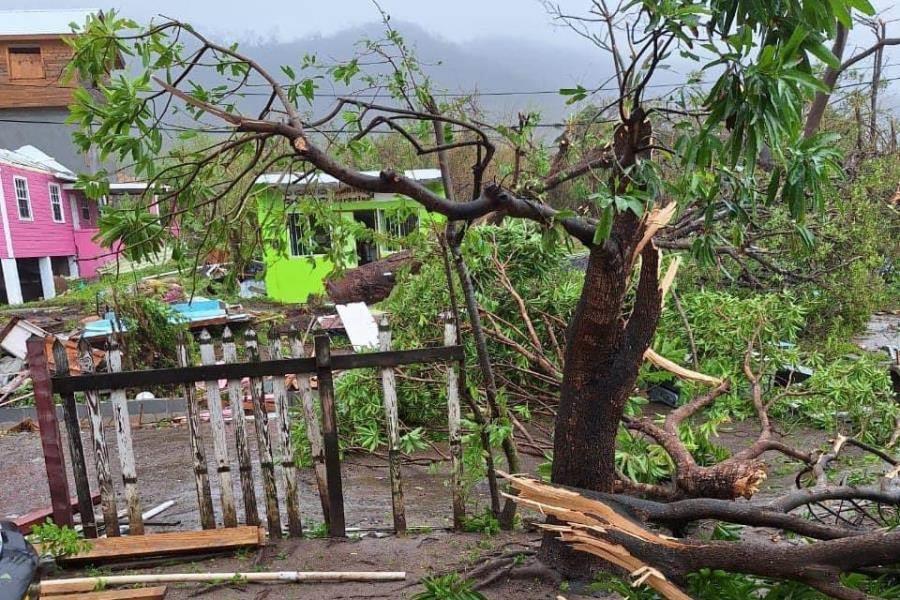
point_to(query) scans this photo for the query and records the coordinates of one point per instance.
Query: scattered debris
(359, 324)
(28, 520)
(16, 333)
(24, 426)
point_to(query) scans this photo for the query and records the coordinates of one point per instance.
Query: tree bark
(820, 102)
(372, 282)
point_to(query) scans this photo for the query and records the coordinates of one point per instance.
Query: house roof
(128, 187)
(28, 23)
(33, 158)
(323, 180)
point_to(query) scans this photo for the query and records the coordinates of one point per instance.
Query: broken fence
(286, 357)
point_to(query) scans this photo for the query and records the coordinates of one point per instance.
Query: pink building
(48, 226)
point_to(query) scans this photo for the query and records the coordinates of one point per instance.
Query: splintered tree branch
(595, 523)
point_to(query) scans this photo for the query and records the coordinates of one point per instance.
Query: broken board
(359, 324)
(167, 544)
(149, 593)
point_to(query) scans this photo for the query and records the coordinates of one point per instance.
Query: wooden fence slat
(236, 401)
(174, 376)
(76, 449)
(336, 524)
(389, 387)
(217, 424)
(201, 469)
(453, 426)
(51, 442)
(101, 452)
(124, 443)
(289, 471)
(313, 427)
(261, 423)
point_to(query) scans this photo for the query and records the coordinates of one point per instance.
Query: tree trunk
(371, 282)
(820, 102)
(603, 355)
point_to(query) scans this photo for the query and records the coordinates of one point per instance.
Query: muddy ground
(165, 473)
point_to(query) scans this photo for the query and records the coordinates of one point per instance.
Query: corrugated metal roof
(42, 22)
(32, 158)
(324, 180)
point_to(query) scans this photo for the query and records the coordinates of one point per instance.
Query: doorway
(366, 249)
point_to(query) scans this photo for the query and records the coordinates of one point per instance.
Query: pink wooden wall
(41, 235)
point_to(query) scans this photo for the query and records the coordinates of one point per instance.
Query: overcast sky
(458, 21)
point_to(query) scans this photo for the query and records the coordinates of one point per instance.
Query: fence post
(313, 427)
(288, 466)
(51, 442)
(236, 401)
(76, 449)
(201, 469)
(453, 419)
(217, 424)
(389, 386)
(101, 452)
(126, 448)
(336, 526)
(261, 423)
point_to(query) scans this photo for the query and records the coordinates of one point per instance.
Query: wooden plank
(455, 439)
(101, 452)
(217, 424)
(313, 428)
(51, 442)
(336, 525)
(198, 453)
(289, 472)
(236, 401)
(147, 593)
(40, 515)
(172, 376)
(389, 387)
(125, 445)
(76, 450)
(129, 547)
(261, 423)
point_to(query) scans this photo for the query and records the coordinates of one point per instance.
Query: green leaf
(604, 226)
(821, 52)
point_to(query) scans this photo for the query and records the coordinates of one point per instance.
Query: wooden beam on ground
(89, 583)
(164, 544)
(149, 593)
(30, 519)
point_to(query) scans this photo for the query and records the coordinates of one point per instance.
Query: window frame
(56, 205)
(18, 49)
(295, 242)
(85, 205)
(24, 180)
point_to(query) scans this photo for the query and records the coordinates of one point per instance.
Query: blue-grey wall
(41, 127)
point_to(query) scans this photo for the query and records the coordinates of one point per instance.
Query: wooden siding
(41, 235)
(49, 91)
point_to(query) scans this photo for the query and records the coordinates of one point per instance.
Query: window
(307, 236)
(398, 224)
(85, 210)
(25, 62)
(56, 209)
(22, 198)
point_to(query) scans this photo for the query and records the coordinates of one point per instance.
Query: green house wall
(293, 279)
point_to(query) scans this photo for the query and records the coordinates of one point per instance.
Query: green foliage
(58, 541)
(152, 337)
(485, 523)
(448, 587)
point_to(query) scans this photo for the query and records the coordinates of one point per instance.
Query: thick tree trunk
(603, 355)
(372, 282)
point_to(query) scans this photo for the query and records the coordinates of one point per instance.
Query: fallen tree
(615, 529)
(372, 282)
